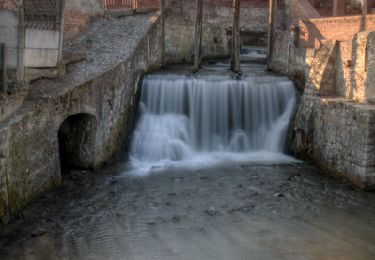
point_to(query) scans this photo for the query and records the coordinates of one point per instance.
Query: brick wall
(74, 23)
(78, 14)
(336, 28)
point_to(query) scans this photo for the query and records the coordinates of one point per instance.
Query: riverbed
(228, 210)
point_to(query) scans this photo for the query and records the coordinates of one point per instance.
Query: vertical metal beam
(198, 35)
(235, 62)
(3, 81)
(272, 21)
(21, 42)
(60, 28)
(162, 10)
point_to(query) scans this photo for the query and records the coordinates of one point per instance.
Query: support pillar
(235, 61)
(338, 8)
(272, 21)
(365, 7)
(198, 35)
(3, 81)
(162, 10)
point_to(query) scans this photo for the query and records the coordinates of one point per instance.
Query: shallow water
(228, 211)
(200, 202)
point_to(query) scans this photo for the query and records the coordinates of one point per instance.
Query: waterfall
(183, 116)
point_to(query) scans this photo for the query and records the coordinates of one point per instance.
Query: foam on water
(212, 119)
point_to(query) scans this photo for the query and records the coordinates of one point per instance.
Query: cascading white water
(182, 116)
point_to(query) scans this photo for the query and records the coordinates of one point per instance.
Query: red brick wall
(336, 28)
(74, 23)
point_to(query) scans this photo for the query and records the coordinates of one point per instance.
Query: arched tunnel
(76, 137)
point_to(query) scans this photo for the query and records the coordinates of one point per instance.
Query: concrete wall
(9, 34)
(41, 48)
(370, 69)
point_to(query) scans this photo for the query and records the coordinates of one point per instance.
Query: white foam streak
(184, 118)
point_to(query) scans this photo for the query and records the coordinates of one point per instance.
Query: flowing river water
(206, 178)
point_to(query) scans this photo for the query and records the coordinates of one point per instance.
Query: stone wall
(217, 24)
(344, 140)
(363, 69)
(29, 147)
(331, 126)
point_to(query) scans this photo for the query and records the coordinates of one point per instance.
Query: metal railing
(155, 4)
(131, 4)
(254, 3)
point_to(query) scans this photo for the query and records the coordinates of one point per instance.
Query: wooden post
(338, 8)
(162, 10)
(365, 8)
(198, 35)
(235, 61)
(272, 21)
(3, 81)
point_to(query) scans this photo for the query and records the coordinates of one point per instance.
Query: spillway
(183, 117)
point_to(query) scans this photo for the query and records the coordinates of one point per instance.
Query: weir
(183, 117)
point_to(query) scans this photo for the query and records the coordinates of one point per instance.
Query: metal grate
(42, 14)
(113, 4)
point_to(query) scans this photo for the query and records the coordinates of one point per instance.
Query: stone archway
(76, 137)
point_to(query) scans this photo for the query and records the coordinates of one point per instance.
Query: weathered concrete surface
(103, 86)
(9, 36)
(41, 48)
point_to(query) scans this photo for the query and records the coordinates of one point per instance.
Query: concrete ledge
(120, 12)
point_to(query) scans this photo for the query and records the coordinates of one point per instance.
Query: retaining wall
(29, 149)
